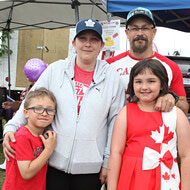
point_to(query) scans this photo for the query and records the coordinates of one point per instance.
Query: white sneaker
(3, 166)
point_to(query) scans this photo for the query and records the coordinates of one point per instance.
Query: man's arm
(177, 85)
(183, 104)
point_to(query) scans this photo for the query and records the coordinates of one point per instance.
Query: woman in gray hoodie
(89, 95)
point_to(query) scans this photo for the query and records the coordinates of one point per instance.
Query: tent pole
(76, 14)
(9, 70)
(8, 42)
(75, 4)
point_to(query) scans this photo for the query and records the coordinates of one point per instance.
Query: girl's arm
(117, 148)
(29, 169)
(183, 135)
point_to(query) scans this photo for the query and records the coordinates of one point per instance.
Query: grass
(2, 172)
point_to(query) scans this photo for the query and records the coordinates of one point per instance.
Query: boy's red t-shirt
(27, 147)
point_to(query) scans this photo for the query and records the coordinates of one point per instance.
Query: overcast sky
(166, 40)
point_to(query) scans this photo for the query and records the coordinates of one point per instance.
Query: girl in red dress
(145, 142)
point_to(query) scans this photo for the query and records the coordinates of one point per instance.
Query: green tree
(3, 45)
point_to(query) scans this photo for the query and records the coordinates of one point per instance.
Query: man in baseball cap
(140, 31)
(88, 24)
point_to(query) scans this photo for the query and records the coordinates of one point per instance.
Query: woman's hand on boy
(7, 150)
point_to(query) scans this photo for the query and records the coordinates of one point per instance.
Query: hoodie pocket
(86, 157)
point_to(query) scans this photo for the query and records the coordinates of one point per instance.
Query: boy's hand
(50, 142)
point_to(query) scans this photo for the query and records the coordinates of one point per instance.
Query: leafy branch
(3, 45)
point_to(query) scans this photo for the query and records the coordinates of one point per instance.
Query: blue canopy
(173, 14)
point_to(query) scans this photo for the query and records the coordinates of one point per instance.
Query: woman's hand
(103, 175)
(7, 150)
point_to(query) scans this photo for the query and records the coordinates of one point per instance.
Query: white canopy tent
(46, 14)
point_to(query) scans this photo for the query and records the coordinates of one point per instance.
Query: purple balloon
(34, 68)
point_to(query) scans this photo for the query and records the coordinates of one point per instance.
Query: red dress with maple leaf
(149, 160)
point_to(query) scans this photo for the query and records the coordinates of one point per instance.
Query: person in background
(140, 31)
(33, 69)
(89, 94)
(144, 150)
(28, 169)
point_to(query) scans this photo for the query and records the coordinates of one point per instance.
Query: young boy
(28, 169)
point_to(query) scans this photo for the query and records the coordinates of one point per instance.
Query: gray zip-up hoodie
(83, 141)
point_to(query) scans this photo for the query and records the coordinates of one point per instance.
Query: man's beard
(139, 48)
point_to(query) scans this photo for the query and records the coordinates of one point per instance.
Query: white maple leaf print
(163, 135)
(158, 135)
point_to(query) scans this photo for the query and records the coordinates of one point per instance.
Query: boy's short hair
(39, 92)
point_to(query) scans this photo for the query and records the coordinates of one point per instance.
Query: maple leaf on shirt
(167, 135)
(166, 176)
(162, 135)
(158, 135)
(173, 175)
